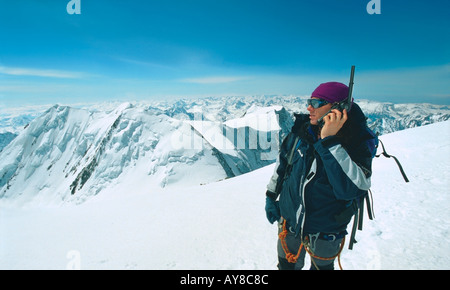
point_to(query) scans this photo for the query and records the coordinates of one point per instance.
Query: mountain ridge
(74, 153)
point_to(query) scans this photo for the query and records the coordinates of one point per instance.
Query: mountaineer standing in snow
(321, 169)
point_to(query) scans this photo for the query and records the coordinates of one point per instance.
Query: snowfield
(222, 225)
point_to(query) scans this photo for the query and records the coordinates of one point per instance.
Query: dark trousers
(320, 248)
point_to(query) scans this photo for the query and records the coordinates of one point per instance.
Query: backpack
(357, 205)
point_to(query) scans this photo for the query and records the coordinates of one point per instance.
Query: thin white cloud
(17, 71)
(214, 80)
(145, 63)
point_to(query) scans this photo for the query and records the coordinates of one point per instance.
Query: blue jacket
(325, 176)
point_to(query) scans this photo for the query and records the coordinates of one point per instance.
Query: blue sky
(138, 50)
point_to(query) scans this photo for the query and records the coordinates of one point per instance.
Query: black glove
(272, 210)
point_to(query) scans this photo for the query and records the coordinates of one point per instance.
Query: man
(320, 170)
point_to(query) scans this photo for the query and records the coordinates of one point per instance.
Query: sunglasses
(316, 103)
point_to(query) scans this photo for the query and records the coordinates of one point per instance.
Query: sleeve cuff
(327, 142)
(271, 194)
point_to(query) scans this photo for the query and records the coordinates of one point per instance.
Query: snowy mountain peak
(72, 154)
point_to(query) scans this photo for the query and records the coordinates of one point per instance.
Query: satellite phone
(345, 104)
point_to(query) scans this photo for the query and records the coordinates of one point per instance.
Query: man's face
(316, 113)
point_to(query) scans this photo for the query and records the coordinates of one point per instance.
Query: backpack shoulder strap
(287, 171)
(385, 154)
(290, 157)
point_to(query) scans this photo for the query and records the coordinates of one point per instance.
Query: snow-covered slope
(222, 225)
(72, 154)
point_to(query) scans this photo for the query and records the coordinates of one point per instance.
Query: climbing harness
(305, 244)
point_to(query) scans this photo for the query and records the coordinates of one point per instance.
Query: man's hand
(333, 123)
(272, 210)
